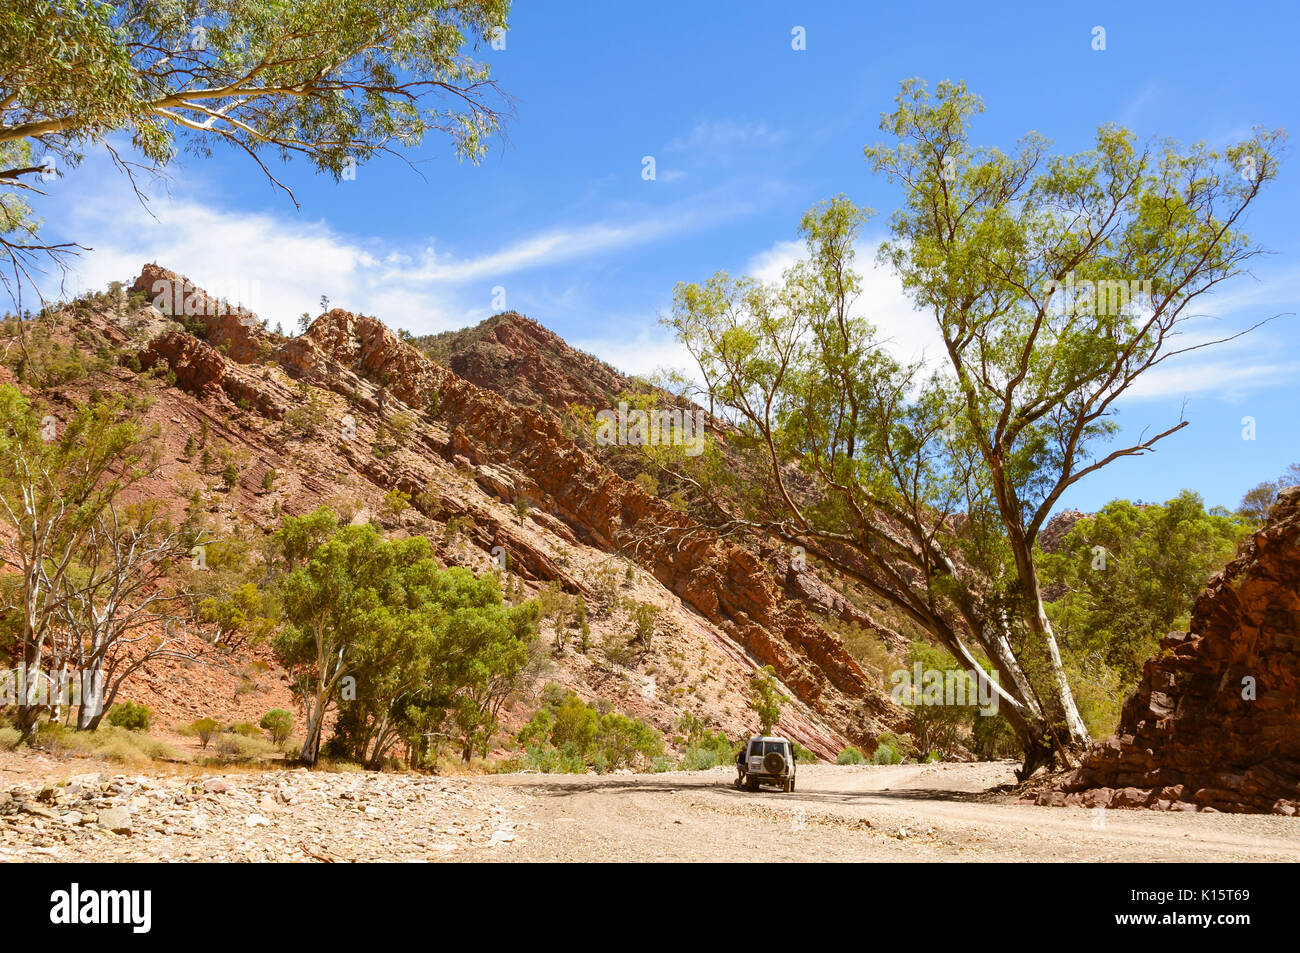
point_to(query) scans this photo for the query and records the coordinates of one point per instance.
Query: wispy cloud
(907, 334)
(556, 246)
(285, 264)
(715, 136)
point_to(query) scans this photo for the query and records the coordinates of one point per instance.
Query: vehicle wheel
(792, 785)
(752, 783)
(789, 785)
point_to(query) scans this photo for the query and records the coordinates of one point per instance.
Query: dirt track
(902, 812)
(936, 812)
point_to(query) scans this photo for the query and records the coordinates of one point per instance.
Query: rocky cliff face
(519, 451)
(1215, 722)
(308, 411)
(527, 364)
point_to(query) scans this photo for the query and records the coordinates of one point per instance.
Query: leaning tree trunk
(1069, 735)
(91, 710)
(311, 744)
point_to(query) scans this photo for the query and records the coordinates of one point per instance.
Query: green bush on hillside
(130, 716)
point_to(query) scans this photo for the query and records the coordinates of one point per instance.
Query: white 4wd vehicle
(766, 759)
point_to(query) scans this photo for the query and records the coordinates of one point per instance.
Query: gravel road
(940, 812)
(953, 812)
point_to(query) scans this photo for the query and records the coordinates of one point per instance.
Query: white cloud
(279, 266)
(546, 248)
(715, 137)
(642, 351)
(909, 335)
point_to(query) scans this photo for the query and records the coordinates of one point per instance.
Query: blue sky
(746, 133)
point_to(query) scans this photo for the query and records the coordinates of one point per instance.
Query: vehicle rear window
(760, 748)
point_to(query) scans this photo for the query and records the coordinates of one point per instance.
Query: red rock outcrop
(1215, 722)
(726, 583)
(232, 327)
(201, 369)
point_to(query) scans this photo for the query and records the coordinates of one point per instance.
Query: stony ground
(902, 813)
(293, 815)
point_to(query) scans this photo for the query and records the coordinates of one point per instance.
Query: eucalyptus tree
(335, 81)
(58, 484)
(1054, 282)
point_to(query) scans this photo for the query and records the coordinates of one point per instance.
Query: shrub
(395, 503)
(9, 738)
(802, 755)
(765, 698)
(643, 618)
(698, 759)
(247, 729)
(122, 745)
(901, 743)
(850, 756)
(705, 748)
(130, 716)
(204, 729)
(885, 755)
(237, 747)
(622, 740)
(278, 723)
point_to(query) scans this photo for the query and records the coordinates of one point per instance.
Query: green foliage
(993, 740)
(9, 738)
(554, 606)
(575, 725)
(988, 244)
(1123, 578)
(423, 649)
(130, 716)
(244, 613)
(568, 735)
(278, 723)
(1256, 502)
(851, 756)
(396, 502)
(581, 623)
(43, 361)
(299, 536)
(765, 698)
(938, 727)
(621, 741)
(107, 741)
(309, 418)
(899, 747)
(53, 494)
(204, 729)
(336, 83)
(393, 433)
(643, 622)
(232, 746)
(802, 755)
(885, 754)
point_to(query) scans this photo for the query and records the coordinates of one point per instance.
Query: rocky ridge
(469, 455)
